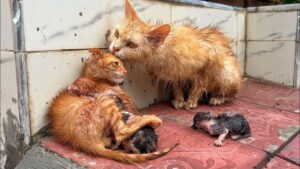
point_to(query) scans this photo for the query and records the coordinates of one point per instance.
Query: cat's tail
(128, 158)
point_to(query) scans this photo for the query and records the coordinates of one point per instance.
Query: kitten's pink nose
(116, 49)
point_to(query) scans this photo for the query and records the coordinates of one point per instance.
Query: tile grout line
(277, 151)
(287, 159)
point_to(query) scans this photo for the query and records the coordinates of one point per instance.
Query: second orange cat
(181, 55)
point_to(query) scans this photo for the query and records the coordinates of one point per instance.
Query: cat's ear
(130, 13)
(96, 54)
(158, 35)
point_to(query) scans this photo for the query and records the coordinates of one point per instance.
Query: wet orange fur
(86, 117)
(177, 55)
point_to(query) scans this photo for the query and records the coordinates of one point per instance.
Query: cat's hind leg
(178, 101)
(226, 82)
(195, 92)
(219, 100)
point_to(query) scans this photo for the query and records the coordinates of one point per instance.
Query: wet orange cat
(201, 57)
(87, 117)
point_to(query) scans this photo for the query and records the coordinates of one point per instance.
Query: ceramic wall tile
(76, 24)
(141, 88)
(240, 53)
(271, 60)
(241, 25)
(226, 21)
(11, 137)
(272, 25)
(49, 72)
(7, 39)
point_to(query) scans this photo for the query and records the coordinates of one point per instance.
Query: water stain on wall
(13, 140)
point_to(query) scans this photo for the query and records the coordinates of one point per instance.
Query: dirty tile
(226, 21)
(139, 86)
(272, 25)
(11, 134)
(9, 89)
(271, 95)
(270, 127)
(76, 26)
(278, 163)
(189, 154)
(241, 25)
(292, 150)
(48, 73)
(271, 60)
(147, 10)
(7, 38)
(80, 25)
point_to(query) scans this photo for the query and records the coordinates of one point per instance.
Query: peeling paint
(286, 133)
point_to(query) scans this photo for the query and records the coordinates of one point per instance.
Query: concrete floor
(273, 114)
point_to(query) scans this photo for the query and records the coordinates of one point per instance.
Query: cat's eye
(117, 34)
(116, 63)
(131, 45)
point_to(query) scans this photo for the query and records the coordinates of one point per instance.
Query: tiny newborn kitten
(225, 124)
(144, 140)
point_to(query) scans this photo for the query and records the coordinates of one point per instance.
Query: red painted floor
(270, 109)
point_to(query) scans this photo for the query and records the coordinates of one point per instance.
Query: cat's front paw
(191, 104)
(217, 101)
(218, 142)
(178, 104)
(154, 120)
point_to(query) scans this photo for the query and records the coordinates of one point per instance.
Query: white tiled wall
(241, 25)
(7, 41)
(272, 25)
(76, 24)
(10, 127)
(226, 21)
(273, 61)
(271, 41)
(48, 73)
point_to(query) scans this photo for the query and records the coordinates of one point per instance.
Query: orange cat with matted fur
(182, 55)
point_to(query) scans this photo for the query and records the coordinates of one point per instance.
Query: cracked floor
(272, 111)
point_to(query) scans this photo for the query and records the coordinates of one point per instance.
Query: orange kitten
(181, 55)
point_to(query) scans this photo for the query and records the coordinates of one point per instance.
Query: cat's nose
(115, 49)
(125, 72)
